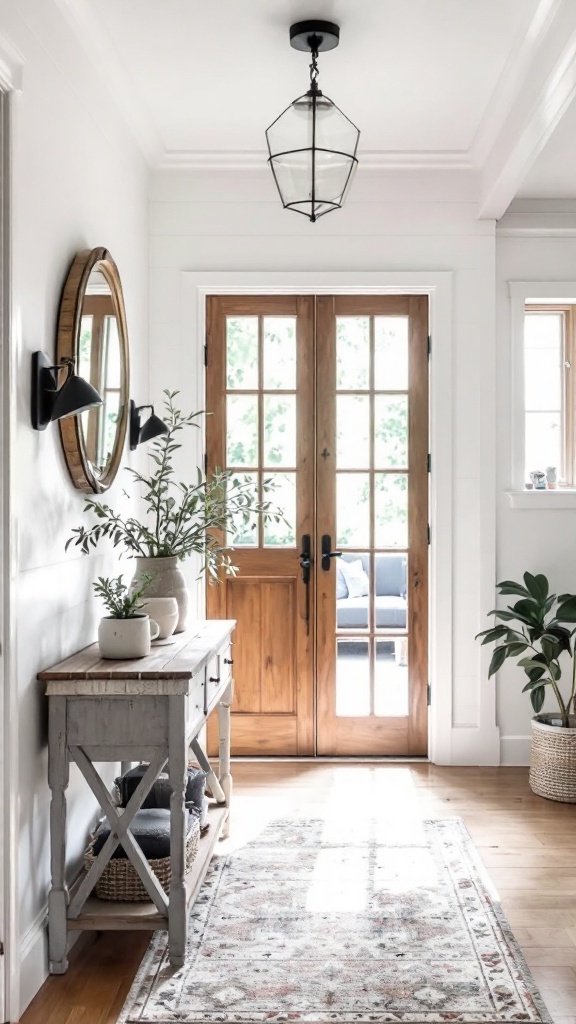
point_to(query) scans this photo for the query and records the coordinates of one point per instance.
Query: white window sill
(562, 497)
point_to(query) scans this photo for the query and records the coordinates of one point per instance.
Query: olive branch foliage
(180, 518)
(119, 599)
(534, 627)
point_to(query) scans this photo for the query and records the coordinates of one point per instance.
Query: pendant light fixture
(312, 144)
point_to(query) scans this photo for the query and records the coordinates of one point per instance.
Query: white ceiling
(414, 75)
(485, 87)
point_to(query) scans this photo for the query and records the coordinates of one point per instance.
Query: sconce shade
(151, 428)
(51, 403)
(312, 147)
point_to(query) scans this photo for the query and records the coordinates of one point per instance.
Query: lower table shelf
(114, 915)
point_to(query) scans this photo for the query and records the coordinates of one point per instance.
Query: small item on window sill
(551, 477)
(528, 486)
(538, 478)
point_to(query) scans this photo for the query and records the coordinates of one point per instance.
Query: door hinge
(1, 949)
(429, 462)
(429, 345)
(205, 355)
(428, 529)
(205, 462)
(428, 695)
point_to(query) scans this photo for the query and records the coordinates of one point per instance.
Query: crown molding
(252, 160)
(100, 49)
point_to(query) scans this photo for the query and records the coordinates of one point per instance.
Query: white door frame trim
(437, 285)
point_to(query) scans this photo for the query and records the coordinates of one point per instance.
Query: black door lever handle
(327, 553)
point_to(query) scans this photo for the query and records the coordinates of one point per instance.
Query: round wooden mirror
(92, 331)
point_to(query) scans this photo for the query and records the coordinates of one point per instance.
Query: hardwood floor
(528, 846)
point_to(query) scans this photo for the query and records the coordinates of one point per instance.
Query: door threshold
(383, 759)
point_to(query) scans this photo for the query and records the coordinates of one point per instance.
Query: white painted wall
(78, 181)
(535, 242)
(232, 221)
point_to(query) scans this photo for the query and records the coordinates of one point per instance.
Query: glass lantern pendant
(312, 144)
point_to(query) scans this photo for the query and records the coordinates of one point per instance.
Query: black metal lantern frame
(320, 166)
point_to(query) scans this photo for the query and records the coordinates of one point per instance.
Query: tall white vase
(167, 581)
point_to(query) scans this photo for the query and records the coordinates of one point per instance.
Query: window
(549, 353)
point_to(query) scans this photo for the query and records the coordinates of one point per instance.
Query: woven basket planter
(553, 760)
(120, 880)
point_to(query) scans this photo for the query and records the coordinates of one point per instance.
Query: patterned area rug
(392, 923)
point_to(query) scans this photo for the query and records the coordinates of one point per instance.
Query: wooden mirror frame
(69, 322)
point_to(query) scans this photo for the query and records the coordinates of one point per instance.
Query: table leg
(224, 751)
(58, 777)
(177, 918)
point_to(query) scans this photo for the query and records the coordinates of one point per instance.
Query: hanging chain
(314, 71)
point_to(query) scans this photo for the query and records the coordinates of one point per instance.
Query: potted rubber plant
(126, 631)
(538, 631)
(180, 518)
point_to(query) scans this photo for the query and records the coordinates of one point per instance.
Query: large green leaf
(566, 611)
(501, 614)
(515, 647)
(509, 587)
(535, 682)
(528, 611)
(550, 646)
(495, 633)
(536, 673)
(537, 586)
(498, 658)
(537, 696)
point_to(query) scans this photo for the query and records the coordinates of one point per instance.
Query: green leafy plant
(180, 518)
(534, 627)
(120, 601)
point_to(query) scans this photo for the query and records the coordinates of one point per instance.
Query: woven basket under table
(553, 758)
(121, 881)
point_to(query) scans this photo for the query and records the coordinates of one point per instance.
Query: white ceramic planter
(167, 581)
(553, 758)
(164, 611)
(119, 639)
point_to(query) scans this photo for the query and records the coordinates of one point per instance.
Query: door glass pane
(390, 591)
(279, 430)
(244, 531)
(352, 678)
(390, 431)
(352, 591)
(283, 497)
(241, 430)
(242, 352)
(352, 509)
(352, 352)
(391, 677)
(112, 377)
(352, 432)
(391, 510)
(391, 353)
(280, 352)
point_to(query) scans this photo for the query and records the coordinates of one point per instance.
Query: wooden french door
(328, 397)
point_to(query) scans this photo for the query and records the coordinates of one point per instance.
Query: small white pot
(126, 638)
(164, 611)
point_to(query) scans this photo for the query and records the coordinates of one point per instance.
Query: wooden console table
(150, 709)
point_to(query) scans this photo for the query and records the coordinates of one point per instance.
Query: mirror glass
(98, 361)
(92, 332)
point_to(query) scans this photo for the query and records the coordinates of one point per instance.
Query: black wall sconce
(49, 402)
(141, 432)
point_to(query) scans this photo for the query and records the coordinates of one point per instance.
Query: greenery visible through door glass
(352, 352)
(241, 430)
(390, 431)
(391, 510)
(242, 352)
(279, 430)
(282, 534)
(280, 352)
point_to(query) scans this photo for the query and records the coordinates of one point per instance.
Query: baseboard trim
(33, 958)
(515, 750)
